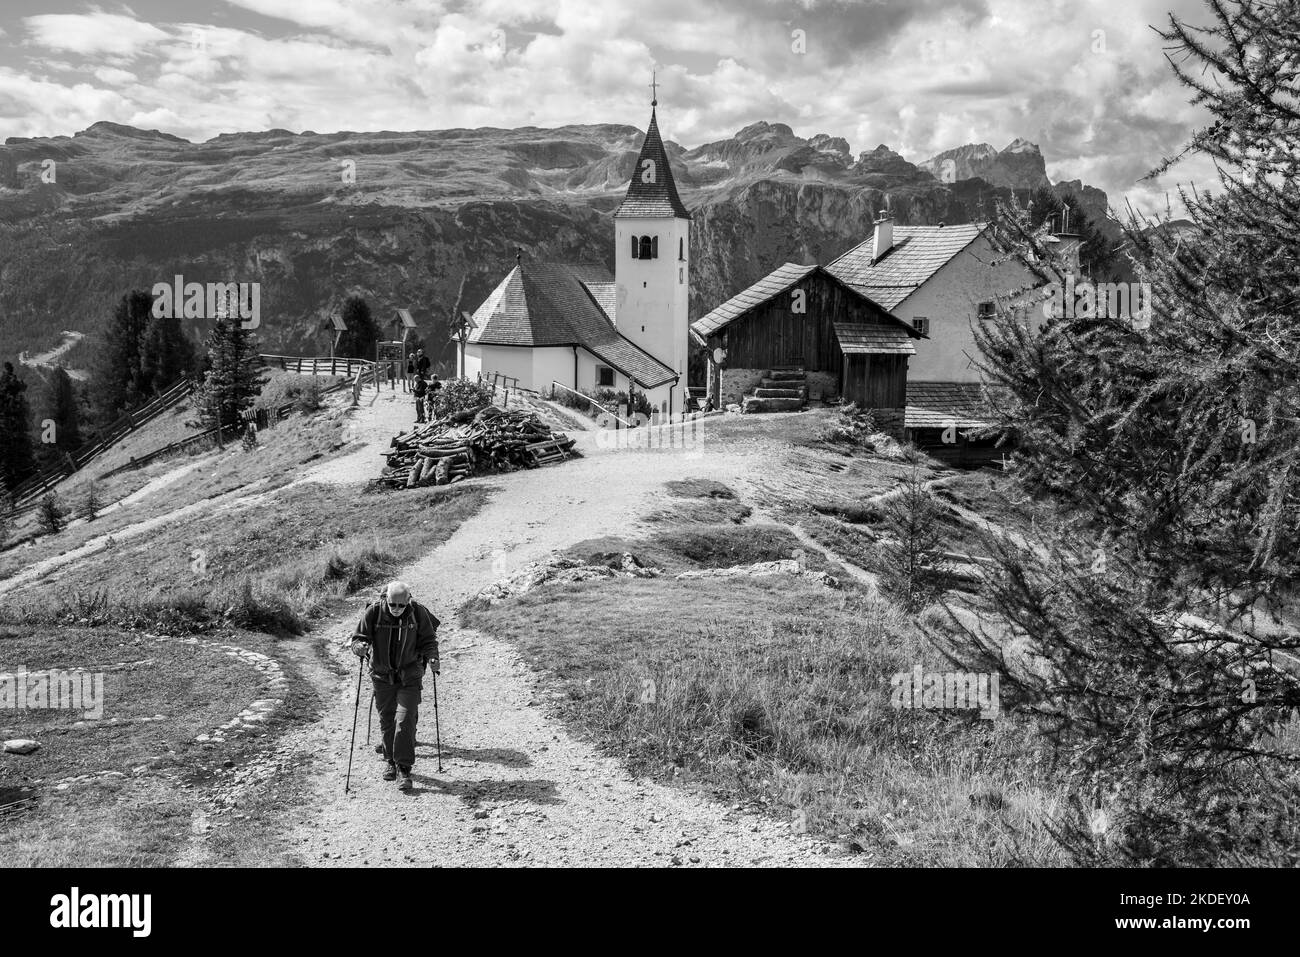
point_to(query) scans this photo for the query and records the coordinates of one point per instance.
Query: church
(578, 326)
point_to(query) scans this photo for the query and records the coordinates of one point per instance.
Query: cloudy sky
(1085, 79)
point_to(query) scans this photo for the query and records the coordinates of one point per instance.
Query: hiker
(421, 389)
(422, 363)
(401, 638)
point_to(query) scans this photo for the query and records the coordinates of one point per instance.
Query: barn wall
(876, 381)
(774, 335)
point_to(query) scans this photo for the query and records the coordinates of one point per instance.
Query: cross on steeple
(654, 88)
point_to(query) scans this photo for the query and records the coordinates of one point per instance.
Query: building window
(921, 324)
(681, 249)
(636, 245)
(604, 377)
(988, 310)
(649, 247)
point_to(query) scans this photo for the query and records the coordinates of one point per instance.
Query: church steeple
(652, 193)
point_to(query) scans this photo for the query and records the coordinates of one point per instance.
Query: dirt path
(50, 358)
(516, 787)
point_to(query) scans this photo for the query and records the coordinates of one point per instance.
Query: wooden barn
(802, 324)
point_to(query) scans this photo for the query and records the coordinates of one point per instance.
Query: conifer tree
(1152, 629)
(16, 460)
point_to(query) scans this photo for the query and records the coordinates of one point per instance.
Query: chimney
(884, 236)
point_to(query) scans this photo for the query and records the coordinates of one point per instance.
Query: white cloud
(920, 77)
(91, 33)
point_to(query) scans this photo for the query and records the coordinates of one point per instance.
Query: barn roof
(548, 304)
(657, 199)
(917, 253)
(861, 338)
(937, 405)
(768, 288)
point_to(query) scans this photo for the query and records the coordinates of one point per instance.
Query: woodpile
(458, 446)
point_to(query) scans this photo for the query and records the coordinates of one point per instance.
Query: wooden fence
(26, 495)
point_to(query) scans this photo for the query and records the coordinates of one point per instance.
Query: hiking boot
(405, 784)
(379, 749)
(390, 772)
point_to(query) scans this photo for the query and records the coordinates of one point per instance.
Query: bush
(308, 398)
(458, 395)
(852, 425)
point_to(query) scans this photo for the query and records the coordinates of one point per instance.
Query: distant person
(421, 390)
(422, 363)
(434, 384)
(400, 637)
(410, 368)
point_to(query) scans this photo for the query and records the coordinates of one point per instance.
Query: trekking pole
(437, 732)
(356, 708)
(370, 718)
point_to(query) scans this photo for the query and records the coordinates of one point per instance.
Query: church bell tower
(652, 269)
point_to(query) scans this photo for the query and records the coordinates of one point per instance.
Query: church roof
(658, 198)
(549, 304)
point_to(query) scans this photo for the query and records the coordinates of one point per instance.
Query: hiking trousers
(399, 709)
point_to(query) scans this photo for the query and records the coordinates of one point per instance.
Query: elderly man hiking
(400, 636)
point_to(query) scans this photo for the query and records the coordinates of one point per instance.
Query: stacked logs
(454, 448)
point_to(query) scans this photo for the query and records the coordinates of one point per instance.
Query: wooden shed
(804, 318)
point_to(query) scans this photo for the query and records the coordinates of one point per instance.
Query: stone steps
(752, 404)
(785, 375)
(782, 384)
(780, 393)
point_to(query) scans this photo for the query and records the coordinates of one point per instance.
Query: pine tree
(1143, 623)
(59, 406)
(16, 460)
(90, 502)
(233, 379)
(49, 515)
(118, 382)
(358, 341)
(912, 569)
(138, 356)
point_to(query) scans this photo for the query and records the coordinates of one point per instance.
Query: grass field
(776, 692)
(173, 620)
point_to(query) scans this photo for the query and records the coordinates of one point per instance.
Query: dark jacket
(422, 365)
(399, 647)
(421, 387)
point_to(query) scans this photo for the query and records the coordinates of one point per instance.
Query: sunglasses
(397, 607)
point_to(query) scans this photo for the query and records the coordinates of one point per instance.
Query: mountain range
(402, 217)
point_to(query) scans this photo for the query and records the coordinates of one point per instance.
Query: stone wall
(822, 385)
(736, 382)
